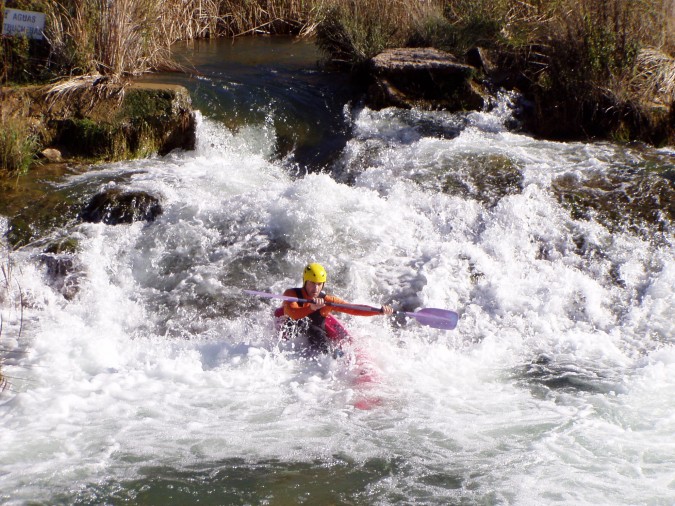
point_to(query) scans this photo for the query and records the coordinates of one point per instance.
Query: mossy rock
(95, 123)
(63, 245)
(114, 207)
(587, 118)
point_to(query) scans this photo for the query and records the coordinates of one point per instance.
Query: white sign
(28, 23)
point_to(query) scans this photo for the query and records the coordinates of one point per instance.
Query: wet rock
(114, 207)
(424, 78)
(620, 199)
(479, 58)
(63, 273)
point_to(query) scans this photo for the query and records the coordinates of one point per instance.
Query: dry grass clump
(194, 19)
(189, 19)
(655, 76)
(575, 47)
(114, 39)
(268, 16)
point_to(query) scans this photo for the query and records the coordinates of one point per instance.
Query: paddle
(443, 319)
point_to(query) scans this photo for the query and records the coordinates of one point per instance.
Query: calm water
(159, 382)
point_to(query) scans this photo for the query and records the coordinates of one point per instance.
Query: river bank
(90, 120)
(85, 122)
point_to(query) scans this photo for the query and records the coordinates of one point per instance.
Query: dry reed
(655, 77)
(351, 31)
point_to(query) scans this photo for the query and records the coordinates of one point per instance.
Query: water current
(157, 381)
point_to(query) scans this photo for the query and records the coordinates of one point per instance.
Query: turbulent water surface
(142, 374)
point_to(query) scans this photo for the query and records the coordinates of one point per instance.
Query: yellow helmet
(315, 273)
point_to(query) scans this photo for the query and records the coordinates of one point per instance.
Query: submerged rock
(425, 78)
(114, 207)
(63, 267)
(63, 273)
(620, 198)
(486, 178)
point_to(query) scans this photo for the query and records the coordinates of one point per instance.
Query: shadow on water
(238, 481)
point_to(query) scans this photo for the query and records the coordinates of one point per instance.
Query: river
(158, 381)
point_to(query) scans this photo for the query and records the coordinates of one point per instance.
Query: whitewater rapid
(557, 386)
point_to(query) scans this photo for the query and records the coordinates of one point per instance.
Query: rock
(619, 198)
(424, 78)
(63, 273)
(52, 155)
(478, 57)
(114, 207)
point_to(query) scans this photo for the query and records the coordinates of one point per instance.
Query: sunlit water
(161, 382)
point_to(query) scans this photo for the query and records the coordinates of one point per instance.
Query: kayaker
(315, 312)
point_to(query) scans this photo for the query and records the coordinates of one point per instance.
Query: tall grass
(18, 145)
(268, 16)
(124, 37)
(190, 19)
(118, 38)
(112, 38)
(578, 49)
(351, 31)
(580, 41)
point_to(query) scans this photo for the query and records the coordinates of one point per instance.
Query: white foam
(159, 360)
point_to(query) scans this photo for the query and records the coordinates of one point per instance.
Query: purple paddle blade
(436, 318)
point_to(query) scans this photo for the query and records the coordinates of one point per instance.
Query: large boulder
(424, 78)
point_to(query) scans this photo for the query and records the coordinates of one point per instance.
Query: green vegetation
(18, 145)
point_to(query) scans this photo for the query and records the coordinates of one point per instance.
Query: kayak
(364, 372)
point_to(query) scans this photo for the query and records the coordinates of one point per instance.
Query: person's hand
(317, 303)
(388, 310)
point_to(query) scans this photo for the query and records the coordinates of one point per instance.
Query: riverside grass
(119, 38)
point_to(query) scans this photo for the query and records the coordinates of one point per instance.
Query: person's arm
(295, 310)
(352, 311)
